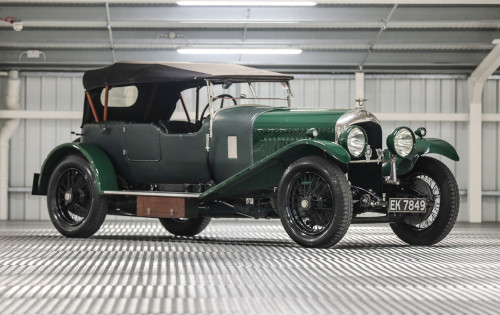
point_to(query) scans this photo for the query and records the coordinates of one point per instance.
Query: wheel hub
(424, 188)
(305, 203)
(68, 196)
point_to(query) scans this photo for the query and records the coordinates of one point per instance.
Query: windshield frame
(212, 96)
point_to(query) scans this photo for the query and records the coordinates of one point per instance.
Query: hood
(286, 118)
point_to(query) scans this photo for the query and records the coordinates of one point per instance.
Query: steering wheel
(222, 97)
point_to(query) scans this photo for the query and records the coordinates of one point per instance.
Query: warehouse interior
(418, 63)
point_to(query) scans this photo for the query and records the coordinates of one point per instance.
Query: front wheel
(434, 179)
(185, 227)
(75, 207)
(315, 202)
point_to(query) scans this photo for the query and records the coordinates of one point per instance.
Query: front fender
(266, 173)
(438, 146)
(423, 146)
(100, 164)
(305, 147)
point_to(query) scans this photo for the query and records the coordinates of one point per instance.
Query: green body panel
(104, 171)
(235, 123)
(144, 153)
(266, 173)
(142, 142)
(279, 127)
(438, 146)
(422, 146)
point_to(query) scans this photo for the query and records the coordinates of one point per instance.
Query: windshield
(226, 94)
(261, 93)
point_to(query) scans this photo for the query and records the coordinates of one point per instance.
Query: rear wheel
(315, 203)
(185, 227)
(75, 207)
(434, 179)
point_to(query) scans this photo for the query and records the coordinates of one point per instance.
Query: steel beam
(475, 88)
(132, 16)
(447, 117)
(6, 131)
(320, 37)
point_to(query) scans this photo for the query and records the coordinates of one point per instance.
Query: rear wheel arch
(101, 165)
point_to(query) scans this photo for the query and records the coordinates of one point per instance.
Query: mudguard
(266, 173)
(422, 146)
(104, 171)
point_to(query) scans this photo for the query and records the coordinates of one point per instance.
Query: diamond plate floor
(244, 267)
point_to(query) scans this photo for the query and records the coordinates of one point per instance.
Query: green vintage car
(318, 170)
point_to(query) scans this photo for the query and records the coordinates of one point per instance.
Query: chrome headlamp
(354, 140)
(401, 142)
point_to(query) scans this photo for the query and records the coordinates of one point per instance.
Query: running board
(152, 193)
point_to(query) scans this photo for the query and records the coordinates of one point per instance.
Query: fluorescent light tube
(247, 3)
(238, 22)
(238, 51)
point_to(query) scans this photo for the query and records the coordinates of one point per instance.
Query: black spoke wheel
(435, 180)
(75, 207)
(310, 202)
(315, 203)
(185, 227)
(74, 196)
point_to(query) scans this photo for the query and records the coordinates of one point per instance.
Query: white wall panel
(491, 142)
(386, 94)
(34, 138)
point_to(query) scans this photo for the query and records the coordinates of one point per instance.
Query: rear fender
(266, 173)
(102, 168)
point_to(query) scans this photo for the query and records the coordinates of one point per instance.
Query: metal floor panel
(244, 267)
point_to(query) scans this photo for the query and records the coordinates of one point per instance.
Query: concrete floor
(244, 267)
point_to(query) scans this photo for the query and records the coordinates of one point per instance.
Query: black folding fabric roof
(129, 73)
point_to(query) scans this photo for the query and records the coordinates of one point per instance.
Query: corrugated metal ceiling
(443, 38)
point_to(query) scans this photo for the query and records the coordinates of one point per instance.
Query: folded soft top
(130, 73)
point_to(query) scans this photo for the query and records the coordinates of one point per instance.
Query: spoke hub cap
(68, 196)
(305, 203)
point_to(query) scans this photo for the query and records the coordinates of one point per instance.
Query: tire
(311, 217)
(439, 221)
(75, 207)
(185, 227)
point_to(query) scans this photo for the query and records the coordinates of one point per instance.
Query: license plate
(407, 205)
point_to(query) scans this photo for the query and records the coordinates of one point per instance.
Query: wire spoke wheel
(185, 226)
(75, 206)
(434, 194)
(433, 179)
(74, 196)
(315, 202)
(311, 203)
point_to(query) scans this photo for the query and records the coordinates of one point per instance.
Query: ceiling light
(247, 3)
(238, 22)
(238, 51)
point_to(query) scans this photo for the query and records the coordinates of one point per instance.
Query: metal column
(475, 89)
(12, 103)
